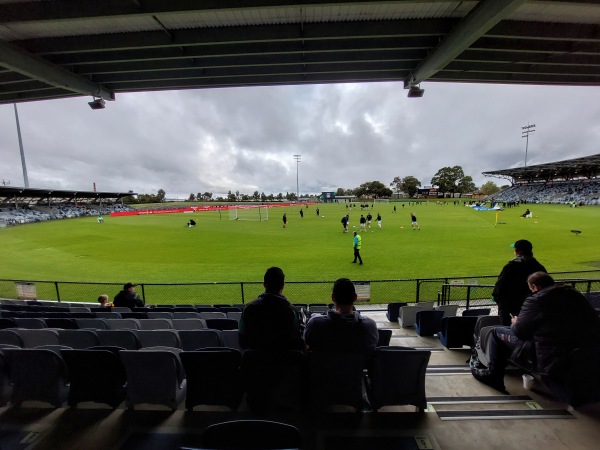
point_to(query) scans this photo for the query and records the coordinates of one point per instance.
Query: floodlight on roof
(414, 91)
(97, 103)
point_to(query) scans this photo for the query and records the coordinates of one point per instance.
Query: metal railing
(380, 292)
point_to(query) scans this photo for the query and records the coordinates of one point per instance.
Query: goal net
(256, 213)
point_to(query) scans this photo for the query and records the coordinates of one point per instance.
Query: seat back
(155, 377)
(476, 312)
(155, 324)
(155, 338)
(251, 435)
(6, 322)
(272, 379)
(235, 315)
(231, 339)
(427, 306)
(63, 323)
(213, 377)
(385, 336)
(185, 315)
(212, 315)
(11, 337)
(36, 338)
(457, 331)
(393, 310)
(398, 377)
(96, 376)
(485, 321)
(428, 323)
(26, 368)
(222, 324)
(5, 384)
(160, 315)
(336, 379)
(30, 323)
(408, 315)
(189, 324)
(107, 315)
(123, 324)
(198, 339)
(449, 310)
(134, 315)
(78, 339)
(96, 324)
(119, 338)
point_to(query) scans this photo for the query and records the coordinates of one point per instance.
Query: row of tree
(447, 179)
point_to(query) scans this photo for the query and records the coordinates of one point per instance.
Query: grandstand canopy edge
(15, 196)
(585, 168)
(60, 49)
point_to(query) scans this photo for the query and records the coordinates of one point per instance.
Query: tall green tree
(448, 179)
(397, 184)
(191, 198)
(410, 185)
(466, 185)
(340, 191)
(489, 188)
(373, 189)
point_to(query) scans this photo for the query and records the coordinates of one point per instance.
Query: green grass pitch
(453, 241)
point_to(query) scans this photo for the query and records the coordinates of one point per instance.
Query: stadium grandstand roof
(26, 196)
(571, 169)
(64, 48)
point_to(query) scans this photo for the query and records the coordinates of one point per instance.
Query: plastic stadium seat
(26, 365)
(336, 379)
(213, 377)
(198, 339)
(397, 377)
(428, 323)
(393, 310)
(153, 338)
(35, 338)
(457, 331)
(96, 376)
(222, 324)
(155, 377)
(119, 338)
(449, 310)
(476, 312)
(78, 339)
(273, 380)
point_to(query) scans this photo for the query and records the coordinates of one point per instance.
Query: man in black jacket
(511, 288)
(554, 321)
(128, 297)
(270, 322)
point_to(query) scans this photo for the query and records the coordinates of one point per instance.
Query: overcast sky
(244, 139)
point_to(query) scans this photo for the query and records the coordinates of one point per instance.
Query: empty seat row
(122, 315)
(128, 339)
(215, 376)
(117, 324)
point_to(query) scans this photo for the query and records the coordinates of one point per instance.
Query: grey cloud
(245, 139)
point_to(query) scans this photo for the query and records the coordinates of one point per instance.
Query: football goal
(256, 213)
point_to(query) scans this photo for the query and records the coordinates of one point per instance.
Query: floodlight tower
(25, 179)
(297, 158)
(525, 134)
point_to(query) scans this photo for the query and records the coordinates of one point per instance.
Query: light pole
(25, 179)
(297, 158)
(525, 134)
